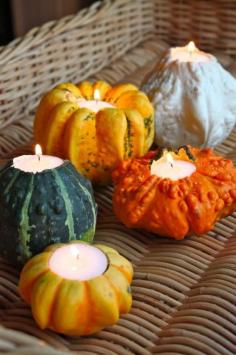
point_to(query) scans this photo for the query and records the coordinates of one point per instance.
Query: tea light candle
(77, 288)
(189, 53)
(43, 200)
(36, 163)
(193, 97)
(168, 168)
(94, 105)
(78, 262)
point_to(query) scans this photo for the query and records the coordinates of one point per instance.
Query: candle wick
(77, 257)
(171, 165)
(38, 157)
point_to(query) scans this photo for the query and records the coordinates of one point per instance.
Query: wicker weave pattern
(14, 342)
(184, 292)
(77, 47)
(210, 23)
(71, 49)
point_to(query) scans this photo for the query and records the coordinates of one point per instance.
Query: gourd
(94, 142)
(179, 208)
(56, 205)
(194, 102)
(76, 307)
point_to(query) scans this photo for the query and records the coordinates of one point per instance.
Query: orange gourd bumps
(179, 208)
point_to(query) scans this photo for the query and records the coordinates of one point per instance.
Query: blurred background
(18, 16)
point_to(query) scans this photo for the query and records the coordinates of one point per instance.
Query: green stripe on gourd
(87, 194)
(148, 122)
(24, 229)
(69, 220)
(128, 139)
(44, 208)
(90, 207)
(83, 190)
(11, 182)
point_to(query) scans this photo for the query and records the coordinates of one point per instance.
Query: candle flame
(74, 252)
(96, 94)
(191, 47)
(170, 159)
(38, 149)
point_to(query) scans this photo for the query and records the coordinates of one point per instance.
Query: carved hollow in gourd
(175, 208)
(77, 307)
(37, 210)
(194, 102)
(95, 142)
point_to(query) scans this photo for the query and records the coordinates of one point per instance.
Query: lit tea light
(77, 289)
(94, 105)
(168, 168)
(78, 262)
(38, 151)
(189, 53)
(97, 94)
(36, 163)
(191, 47)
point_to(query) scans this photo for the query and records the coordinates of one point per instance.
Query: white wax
(183, 54)
(78, 262)
(32, 163)
(176, 170)
(93, 105)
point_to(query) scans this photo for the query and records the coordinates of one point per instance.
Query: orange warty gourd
(94, 142)
(75, 307)
(175, 208)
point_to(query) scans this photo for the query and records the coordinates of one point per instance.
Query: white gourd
(194, 101)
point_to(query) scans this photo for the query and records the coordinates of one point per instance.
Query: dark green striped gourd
(40, 209)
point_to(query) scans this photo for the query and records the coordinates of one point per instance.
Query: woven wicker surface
(77, 47)
(71, 49)
(211, 23)
(183, 292)
(14, 342)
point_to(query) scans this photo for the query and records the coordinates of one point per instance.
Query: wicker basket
(184, 292)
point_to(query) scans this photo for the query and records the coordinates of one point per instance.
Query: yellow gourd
(94, 142)
(75, 307)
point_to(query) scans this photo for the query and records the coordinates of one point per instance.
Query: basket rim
(41, 34)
